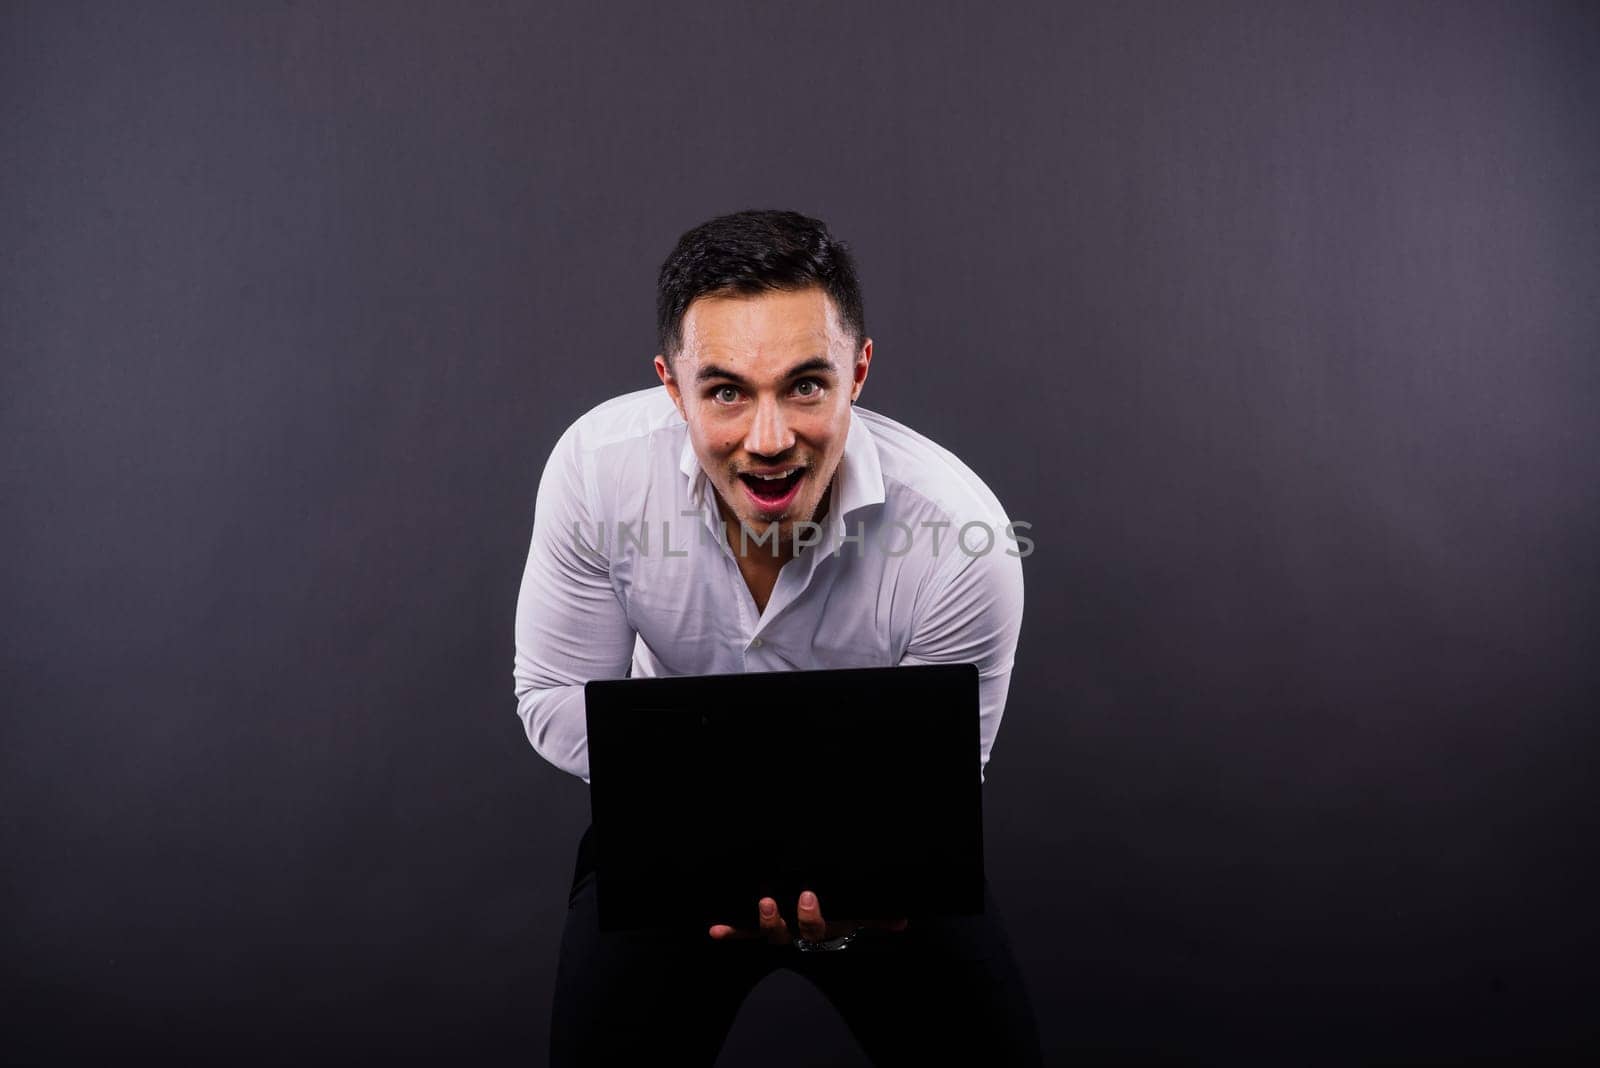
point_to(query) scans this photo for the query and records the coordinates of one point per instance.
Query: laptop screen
(710, 792)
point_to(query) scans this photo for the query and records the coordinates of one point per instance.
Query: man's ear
(664, 372)
(859, 371)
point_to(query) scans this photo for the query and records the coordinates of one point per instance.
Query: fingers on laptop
(812, 925)
(772, 923)
(772, 926)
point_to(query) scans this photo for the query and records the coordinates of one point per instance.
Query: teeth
(775, 478)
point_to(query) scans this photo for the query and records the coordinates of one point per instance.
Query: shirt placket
(750, 620)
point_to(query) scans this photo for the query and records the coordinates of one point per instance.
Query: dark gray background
(1278, 322)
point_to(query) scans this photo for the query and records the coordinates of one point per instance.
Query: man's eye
(725, 394)
(808, 387)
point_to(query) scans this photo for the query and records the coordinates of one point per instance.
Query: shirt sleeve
(974, 616)
(570, 625)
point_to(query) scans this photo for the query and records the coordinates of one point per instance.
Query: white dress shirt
(629, 568)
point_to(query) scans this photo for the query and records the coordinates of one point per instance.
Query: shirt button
(755, 643)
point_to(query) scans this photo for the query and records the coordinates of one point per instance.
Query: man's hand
(809, 916)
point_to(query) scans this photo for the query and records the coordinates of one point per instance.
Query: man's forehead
(787, 321)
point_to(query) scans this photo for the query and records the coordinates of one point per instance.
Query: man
(747, 517)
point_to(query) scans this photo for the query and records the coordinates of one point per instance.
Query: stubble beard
(758, 525)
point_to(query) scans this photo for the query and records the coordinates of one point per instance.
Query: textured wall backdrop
(1278, 321)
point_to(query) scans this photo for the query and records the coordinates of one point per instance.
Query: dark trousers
(944, 990)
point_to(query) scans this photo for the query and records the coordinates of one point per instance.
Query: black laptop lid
(710, 792)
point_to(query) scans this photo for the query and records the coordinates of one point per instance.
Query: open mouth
(775, 493)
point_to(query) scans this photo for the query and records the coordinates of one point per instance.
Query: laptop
(710, 792)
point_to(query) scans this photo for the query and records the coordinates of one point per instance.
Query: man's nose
(769, 433)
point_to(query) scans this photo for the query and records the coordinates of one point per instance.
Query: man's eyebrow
(811, 366)
(708, 371)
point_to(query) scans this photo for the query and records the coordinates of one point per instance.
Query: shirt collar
(689, 464)
(860, 476)
(857, 484)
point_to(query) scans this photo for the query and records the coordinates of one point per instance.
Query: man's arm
(973, 616)
(570, 626)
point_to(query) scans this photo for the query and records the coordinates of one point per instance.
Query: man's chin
(760, 524)
(763, 524)
(762, 537)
